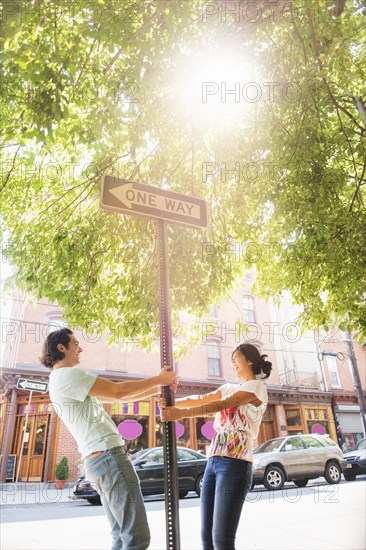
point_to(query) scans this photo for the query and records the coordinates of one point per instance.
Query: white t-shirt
(89, 424)
(237, 427)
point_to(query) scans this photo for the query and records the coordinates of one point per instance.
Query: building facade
(303, 390)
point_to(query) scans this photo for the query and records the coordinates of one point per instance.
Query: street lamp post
(357, 380)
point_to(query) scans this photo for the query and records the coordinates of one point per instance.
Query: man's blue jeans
(225, 485)
(115, 479)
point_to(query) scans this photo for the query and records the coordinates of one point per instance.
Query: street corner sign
(32, 385)
(138, 199)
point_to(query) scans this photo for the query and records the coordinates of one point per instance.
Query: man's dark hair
(50, 353)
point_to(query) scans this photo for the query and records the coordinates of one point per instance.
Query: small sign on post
(32, 385)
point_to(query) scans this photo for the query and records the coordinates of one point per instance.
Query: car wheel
(301, 482)
(274, 478)
(199, 481)
(332, 473)
(183, 494)
(349, 477)
(95, 501)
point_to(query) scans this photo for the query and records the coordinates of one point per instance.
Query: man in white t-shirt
(75, 395)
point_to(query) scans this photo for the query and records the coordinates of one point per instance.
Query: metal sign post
(137, 199)
(171, 487)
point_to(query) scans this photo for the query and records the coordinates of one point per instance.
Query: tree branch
(320, 66)
(360, 180)
(10, 171)
(135, 35)
(136, 168)
(339, 7)
(85, 62)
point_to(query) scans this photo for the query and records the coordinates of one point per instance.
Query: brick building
(302, 386)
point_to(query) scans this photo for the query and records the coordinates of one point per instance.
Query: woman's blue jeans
(225, 485)
(115, 479)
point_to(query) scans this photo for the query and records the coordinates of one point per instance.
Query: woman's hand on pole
(170, 414)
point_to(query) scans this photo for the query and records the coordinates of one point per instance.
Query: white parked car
(297, 458)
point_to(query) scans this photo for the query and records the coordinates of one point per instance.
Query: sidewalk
(12, 494)
(322, 517)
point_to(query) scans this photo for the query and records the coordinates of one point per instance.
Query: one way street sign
(131, 197)
(32, 385)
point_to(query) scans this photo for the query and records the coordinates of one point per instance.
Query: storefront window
(293, 417)
(204, 433)
(185, 439)
(140, 442)
(268, 414)
(40, 439)
(182, 433)
(135, 434)
(317, 421)
(26, 436)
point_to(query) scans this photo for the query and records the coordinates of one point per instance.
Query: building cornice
(187, 386)
(346, 397)
(10, 376)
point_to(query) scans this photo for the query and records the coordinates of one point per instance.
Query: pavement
(33, 493)
(318, 517)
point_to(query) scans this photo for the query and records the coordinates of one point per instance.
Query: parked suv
(297, 458)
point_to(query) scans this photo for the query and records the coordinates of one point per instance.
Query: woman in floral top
(239, 410)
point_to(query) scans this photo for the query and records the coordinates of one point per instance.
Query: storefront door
(34, 447)
(267, 429)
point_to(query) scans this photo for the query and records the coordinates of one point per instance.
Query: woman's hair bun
(263, 367)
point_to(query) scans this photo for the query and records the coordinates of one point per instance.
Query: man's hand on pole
(167, 377)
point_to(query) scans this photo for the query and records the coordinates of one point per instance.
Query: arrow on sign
(140, 199)
(31, 385)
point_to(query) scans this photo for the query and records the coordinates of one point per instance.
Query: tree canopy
(144, 91)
